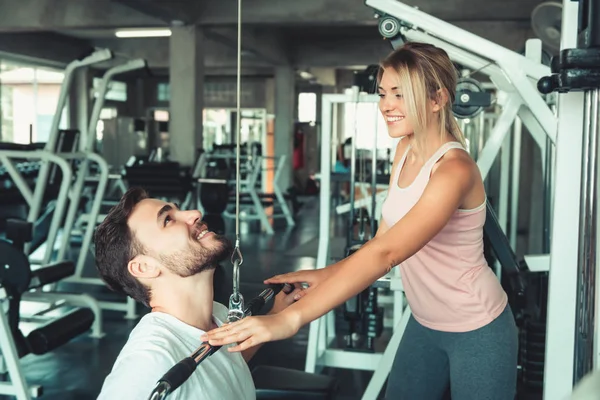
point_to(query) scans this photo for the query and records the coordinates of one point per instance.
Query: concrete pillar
(186, 77)
(285, 95)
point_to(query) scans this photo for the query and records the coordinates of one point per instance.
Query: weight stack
(533, 354)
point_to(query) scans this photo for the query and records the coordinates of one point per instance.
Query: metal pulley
(389, 27)
(471, 98)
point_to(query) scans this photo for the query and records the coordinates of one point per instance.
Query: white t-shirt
(157, 343)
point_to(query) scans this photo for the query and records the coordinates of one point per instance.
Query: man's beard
(198, 259)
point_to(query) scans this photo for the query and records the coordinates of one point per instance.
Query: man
(165, 258)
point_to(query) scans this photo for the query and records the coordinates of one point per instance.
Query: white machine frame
(516, 77)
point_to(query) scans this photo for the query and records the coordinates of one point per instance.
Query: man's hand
(283, 300)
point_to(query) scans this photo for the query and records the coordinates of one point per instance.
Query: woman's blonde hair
(423, 72)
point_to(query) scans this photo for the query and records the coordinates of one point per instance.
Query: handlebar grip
(179, 373)
(256, 304)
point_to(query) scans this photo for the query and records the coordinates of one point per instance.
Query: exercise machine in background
(516, 99)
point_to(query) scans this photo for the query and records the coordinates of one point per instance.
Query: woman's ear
(440, 100)
(143, 266)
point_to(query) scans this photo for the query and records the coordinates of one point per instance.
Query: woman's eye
(167, 219)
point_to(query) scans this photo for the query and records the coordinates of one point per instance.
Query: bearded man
(165, 258)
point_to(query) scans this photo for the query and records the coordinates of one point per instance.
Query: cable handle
(257, 303)
(181, 371)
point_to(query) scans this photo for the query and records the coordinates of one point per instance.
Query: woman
(462, 332)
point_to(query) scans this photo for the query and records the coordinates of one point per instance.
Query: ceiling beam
(167, 11)
(44, 48)
(263, 45)
(355, 12)
(49, 15)
(156, 52)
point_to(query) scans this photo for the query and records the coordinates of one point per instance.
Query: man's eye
(167, 219)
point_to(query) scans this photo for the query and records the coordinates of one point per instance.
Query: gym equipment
(65, 162)
(511, 73)
(471, 98)
(213, 190)
(322, 351)
(179, 373)
(214, 195)
(47, 156)
(270, 382)
(166, 180)
(16, 278)
(28, 172)
(578, 70)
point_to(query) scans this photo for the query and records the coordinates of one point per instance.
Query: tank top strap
(439, 154)
(401, 164)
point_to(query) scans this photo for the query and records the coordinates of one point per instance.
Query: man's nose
(191, 217)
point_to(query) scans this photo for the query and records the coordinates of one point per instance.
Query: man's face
(178, 239)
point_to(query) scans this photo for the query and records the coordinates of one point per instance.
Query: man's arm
(135, 376)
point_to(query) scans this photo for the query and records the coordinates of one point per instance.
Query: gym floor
(77, 369)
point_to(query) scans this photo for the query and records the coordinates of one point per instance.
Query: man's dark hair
(116, 245)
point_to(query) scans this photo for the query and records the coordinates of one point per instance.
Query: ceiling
(307, 34)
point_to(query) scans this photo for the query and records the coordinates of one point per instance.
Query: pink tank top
(447, 283)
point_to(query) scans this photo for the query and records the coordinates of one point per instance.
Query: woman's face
(391, 105)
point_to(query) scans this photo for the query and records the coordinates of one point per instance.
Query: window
(161, 115)
(28, 101)
(307, 107)
(164, 92)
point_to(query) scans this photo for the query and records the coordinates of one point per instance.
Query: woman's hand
(310, 277)
(252, 331)
(283, 300)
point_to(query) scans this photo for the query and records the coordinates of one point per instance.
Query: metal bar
(562, 282)
(374, 175)
(387, 359)
(585, 314)
(61, 202)
(503, 196)
(343, 359)
(324, 218)
(514, 192)
(17, 179)
(18, 385)
(350, 230)
(499, 132)
(95, 210)
(40, 187)
(547, 206)
(279, 194)
(467, 40)
(87, 143)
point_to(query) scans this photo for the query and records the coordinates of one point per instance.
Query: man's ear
(143, 266)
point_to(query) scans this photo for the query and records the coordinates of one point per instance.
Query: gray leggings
(478, 365)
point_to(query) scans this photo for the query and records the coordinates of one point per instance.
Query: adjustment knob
(546, 85)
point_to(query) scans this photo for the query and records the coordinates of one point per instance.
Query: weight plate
(463, 88)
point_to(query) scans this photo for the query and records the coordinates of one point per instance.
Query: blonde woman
(462, 332)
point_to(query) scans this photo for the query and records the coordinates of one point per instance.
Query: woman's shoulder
(456, 162)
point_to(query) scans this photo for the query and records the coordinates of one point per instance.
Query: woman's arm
(443, 196)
